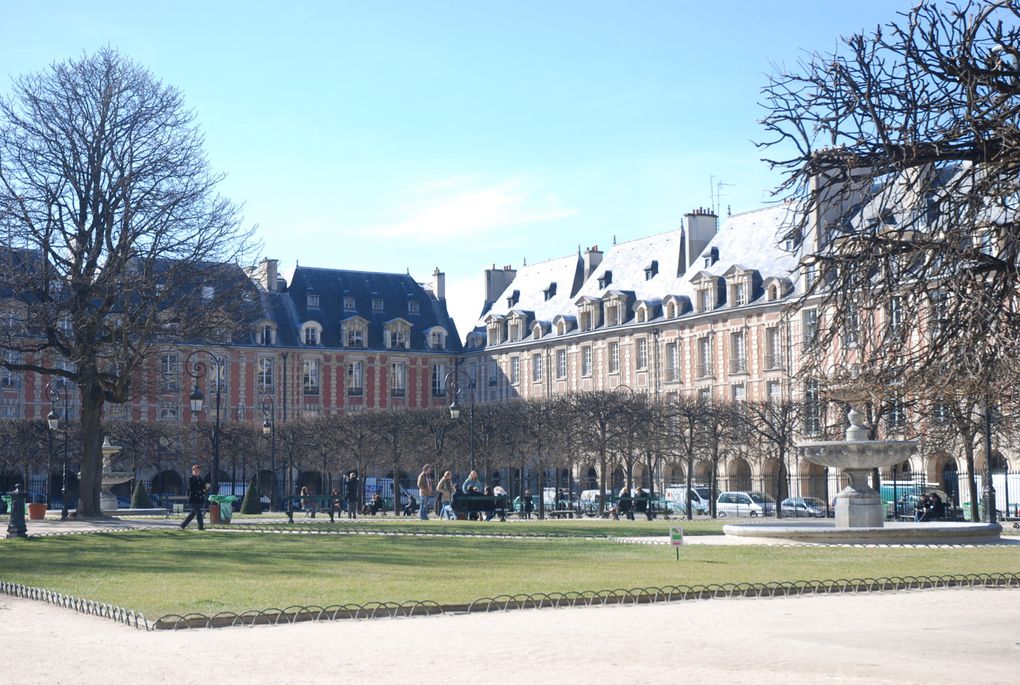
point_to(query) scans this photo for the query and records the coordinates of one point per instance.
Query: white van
(699, 496)
(744, 504)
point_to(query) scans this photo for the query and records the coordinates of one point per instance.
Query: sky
(402, 136)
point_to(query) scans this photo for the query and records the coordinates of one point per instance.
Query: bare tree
(774, 424)
(679, 427)
(603, 415)
(113, 237)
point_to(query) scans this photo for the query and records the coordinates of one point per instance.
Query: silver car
(811, 507)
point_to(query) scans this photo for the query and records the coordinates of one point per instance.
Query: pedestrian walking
(427, 491)
(197, 490)
(444, 491)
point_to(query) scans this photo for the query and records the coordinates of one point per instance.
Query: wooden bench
(499, 505)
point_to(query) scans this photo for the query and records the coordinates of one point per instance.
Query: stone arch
(588, 477)
(948, 477)
(775, 479)
(702, 472)
(673, 474)
(812, 480)
(167, 483)
(738, 474)
(618, 479)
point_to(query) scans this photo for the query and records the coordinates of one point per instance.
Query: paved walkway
(924, 637)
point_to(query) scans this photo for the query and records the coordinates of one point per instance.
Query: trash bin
(37, 511)
(221, 507)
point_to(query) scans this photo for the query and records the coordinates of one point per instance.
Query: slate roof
(290, 309)
(749, 241)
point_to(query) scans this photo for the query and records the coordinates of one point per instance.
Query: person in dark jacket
(197, 489)
(625, 504)
(352, 489)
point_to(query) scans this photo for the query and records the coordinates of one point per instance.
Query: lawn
(160, 572)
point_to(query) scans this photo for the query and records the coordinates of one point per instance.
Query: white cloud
(474, 211)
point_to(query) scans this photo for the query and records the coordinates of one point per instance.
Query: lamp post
(55, 390)
(269, 430)
(197, 370)
(454, 389)
(989, 489)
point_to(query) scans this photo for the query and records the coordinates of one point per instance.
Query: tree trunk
(92, 454)
(968, 450)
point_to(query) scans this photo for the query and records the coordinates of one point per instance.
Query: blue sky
(400, 136)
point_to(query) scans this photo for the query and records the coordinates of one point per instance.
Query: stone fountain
(860, 515)
(108, 500)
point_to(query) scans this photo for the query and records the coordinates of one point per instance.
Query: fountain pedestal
(859, 505)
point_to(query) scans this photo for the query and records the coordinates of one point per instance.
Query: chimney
(439, 284)
(266, 274)
(702, 225)
(592, 259)
(496, 281)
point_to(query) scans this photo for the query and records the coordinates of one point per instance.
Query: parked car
(811, 507)
(751, 504)
(698, 495)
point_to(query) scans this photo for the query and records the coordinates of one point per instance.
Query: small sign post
(676, 538)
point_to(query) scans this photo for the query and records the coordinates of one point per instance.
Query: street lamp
(454, 389)
(269, 430)
(55, 390)
(989, 489)
(196, 371)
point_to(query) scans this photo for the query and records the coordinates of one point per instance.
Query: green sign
(676, 537)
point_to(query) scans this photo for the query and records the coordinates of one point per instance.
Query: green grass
(160, 572)
(560, 527)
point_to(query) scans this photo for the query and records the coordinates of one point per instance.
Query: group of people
(438, 496)
(337, 502)
(929, 508)
(627, 505)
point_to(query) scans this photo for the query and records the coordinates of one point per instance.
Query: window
(356, 378)
(642, 353)
(397, 337)
(355, 337)
(265, 374)
(398, 379)
(536, 368)
(413, 307)
(605, 280)
(168, 411)
(810, 276)
(377, 304)
(851, 325)
(773, 348)
(897, 417)
(516, 333)
(611, 314)
(515, 370)
(774, 391)
(208, 292)
(169, 372)
(266, 336)
(939, 313)
(493, 373)
(812, 409)
(313, 301)
(586, 321)
(550, 292)
(671, 310)
(310, 335)
(561, 363)
(310, 376)
(809, 326)
(437, 340)
(672, 362)
(349, 304)
(586, 360)
(895, 316)
(705, 395)
(705, 300)
(614, 357)
(942, 413)
(704, 357)
(218, 376)
(438, 380)
(738, 353)
(651, 270)
(9, 379)
(739, 295)
(739, 393)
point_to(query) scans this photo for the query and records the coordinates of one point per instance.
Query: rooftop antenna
(717, 194)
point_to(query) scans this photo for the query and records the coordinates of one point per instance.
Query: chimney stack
(439, 284)
(592, 259)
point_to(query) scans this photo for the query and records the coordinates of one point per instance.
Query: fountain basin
(858, 454)
(892, 533)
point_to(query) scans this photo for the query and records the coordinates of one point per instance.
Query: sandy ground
(927, 637)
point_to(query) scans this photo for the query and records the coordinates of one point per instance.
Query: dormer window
(705, 300)
(377, 303)
(513, 299)
(413, 307)
(349, 303)
(652, 270)
(267, 336)
(311, 333)
(354, 331)
(605, 280)
(550, 292)
(738, 293)
(313, 301)
(437, 339)
(208, 292)
(712, 256)
(398, 335)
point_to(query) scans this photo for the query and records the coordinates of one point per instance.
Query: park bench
(330, 504)
(463, 505)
